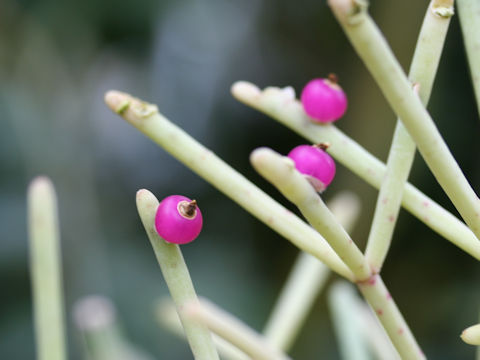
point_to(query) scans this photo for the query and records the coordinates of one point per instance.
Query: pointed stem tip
(117, 101)
(471, 335)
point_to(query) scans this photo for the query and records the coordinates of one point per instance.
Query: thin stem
(280, 171)
(469, 14)
(103, 339)
(168, 317)
(306, 280)
(389, 200)
(347, 322)
(378, 339)
(386, 311)
(283, 107)
(145, 117)
(373, 49)
(402, 151)
(46, 270)
(177, 277)
(233, 330)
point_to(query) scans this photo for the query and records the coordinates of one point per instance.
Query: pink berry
(324, 100)
(178, 219)
(315, 163)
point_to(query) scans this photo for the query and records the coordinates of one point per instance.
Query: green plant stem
(469, 14)
(233, 330)
(347, 322)
(177, 277)
(305, 281)
(46, 270)
(282, 107)
(402, 151)
(377, 338)
(167, 316)
(281, 172)
(373, 49)
(205, 163)
(386, 311)
(103, 339)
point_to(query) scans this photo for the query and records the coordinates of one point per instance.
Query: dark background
(57, 59)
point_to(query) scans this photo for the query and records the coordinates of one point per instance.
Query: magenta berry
(315, 163)
(178, 219)
(324, 100)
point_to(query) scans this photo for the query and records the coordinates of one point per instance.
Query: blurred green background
(57, 59)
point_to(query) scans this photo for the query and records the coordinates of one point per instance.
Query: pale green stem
(281, 106)
(95, 318)
(386, 311)
(469, 14)
(304, 283)
(477, 353)
(145, 117)
(379, 342)
(471, 335)
(347, 322)
(402, 151)
(233, 330)
(389, 200)
(306, 280)
(167, 316)
(281, 172)
(177, 277)
(46, 270)
(373, 49)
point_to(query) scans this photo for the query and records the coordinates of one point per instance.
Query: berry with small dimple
(314, 162)
(324, 100)
(178, 219)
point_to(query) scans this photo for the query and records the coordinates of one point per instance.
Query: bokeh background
(57, 59)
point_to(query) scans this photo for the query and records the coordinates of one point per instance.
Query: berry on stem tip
(324, 100)
(178, 219)
(314, 162)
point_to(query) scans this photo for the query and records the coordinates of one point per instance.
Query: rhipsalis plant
(301, 177)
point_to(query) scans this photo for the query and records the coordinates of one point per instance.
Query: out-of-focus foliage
(58, 58)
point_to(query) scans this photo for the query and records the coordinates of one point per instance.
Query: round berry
(315, 164)
(178, 219)
(324, 100)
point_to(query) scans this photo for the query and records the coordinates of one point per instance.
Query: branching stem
(305, 281)
(145, 117)
(373, 49)
(282, 174)
(283, 107)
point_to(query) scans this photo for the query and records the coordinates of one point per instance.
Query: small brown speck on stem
(323, 146)
(333, 78)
